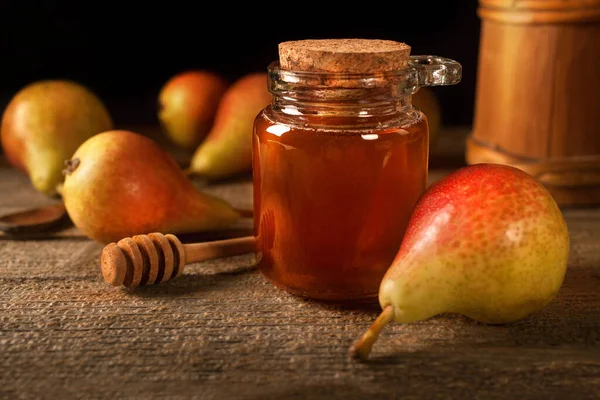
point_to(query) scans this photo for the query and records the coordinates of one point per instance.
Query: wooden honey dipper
(155, 258)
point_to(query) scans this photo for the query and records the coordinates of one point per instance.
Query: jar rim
(422, 70)
(275, 66)
(407, 80)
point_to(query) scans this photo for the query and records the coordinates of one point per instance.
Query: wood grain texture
(221, 331)
(538, 92)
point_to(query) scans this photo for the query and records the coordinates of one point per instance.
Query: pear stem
(71, 165)
(361, 348)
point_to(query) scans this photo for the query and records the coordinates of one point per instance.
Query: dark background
(125, 53)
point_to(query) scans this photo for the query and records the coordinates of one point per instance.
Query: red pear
(227, 150)
(121, 183)
(487, 241)
(187, 106)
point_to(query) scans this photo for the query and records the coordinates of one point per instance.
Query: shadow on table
(370, 306)
(215, 275)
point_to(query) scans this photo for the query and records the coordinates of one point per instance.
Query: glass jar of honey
(340, 158)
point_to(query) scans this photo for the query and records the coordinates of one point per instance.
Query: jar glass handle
(436, 71)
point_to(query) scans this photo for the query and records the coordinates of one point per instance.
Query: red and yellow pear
(121, 183)
(487, 241)
(227, 150)
(187, 106)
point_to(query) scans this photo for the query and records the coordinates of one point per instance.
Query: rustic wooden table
(221, 331)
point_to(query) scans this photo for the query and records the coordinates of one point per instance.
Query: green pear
(227, 150)
(43, 125)
(487, 241)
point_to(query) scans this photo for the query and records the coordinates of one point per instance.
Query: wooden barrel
(538, 93)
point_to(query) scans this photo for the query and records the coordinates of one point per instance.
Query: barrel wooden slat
(538, 94)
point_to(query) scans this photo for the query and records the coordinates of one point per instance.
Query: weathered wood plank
(222, 331)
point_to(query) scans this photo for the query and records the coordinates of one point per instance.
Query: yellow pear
(227, 150)
(43, 125)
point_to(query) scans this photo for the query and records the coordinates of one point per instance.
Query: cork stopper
(343, 55)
